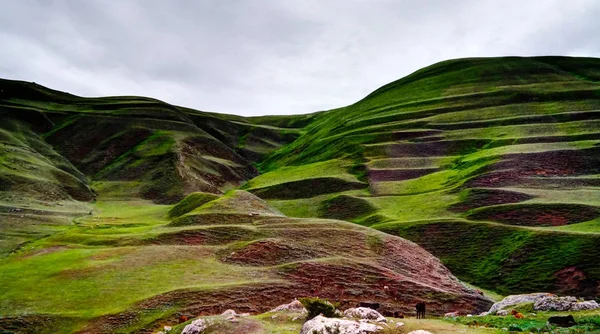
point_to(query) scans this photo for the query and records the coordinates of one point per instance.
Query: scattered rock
(229, 313)
(295, 305)
(587, 305)
(554, 303)
(196, 327)
(502, 313)
(364, 313)
(322, 325)
(419, 331)
(451, 314)
(160, 333)
(483, 314)
(513, 300)
(167, 328)
(399, 324)
(273, 317)
(469, 315)
(243, 314)
(232, 318)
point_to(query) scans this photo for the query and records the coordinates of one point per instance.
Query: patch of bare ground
(378, 175)
(542, 169)
(214, 235)
(476, 198)
(537, 214)
(573, 280)
(270, 252)
(428, 149)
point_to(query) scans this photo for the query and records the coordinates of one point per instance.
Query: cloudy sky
(254, 57)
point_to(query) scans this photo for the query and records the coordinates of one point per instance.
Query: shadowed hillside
(490, 164)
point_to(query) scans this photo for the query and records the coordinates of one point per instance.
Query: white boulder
(586, 305)
(364, 313)
(323, 325)
(294, 306)
(554, 303)
(513, 300)
(502, 313)
(419, 331)
(196, 327)
(229, 313)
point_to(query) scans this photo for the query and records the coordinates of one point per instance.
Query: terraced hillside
(490, 164)
(122, 213)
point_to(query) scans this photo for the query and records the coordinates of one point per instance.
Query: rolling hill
(121, 213)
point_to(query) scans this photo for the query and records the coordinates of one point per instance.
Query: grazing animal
(373, 306)
(420, 307)
(517, 315)
(183, 319)
(566, 321)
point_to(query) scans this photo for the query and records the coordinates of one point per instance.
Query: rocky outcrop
(295, 306)
(513, 300)
(554, 303)
(586, 305)
(322, 325)
(364, 313)
(196, 327)
(543, 302)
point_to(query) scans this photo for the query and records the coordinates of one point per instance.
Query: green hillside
(491, 164)
(119, 214)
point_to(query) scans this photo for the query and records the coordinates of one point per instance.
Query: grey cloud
(255, 57)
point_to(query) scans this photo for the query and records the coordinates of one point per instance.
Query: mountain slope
(468, 150)
(490, 164)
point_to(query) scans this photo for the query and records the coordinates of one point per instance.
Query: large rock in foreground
(322, 325)
(544, 301)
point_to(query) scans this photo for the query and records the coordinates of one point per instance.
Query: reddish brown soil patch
(543, 169)
(486, 197)
(429, 149)
(307, 188)
(208, 236)
(573, 281)
(538, 214)
(271, 252)
(378, 175)
(345, 207)
(213, 219)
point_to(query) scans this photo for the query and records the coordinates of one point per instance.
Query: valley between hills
(465, 181)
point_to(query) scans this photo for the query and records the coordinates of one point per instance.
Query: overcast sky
(255, 57)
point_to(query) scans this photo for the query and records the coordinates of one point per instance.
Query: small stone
(167, 328)
(229, 313)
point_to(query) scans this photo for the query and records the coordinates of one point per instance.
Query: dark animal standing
(566, 321)
(373, 306)
(420, 310)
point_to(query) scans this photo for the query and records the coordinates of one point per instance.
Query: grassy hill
(490, 164)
